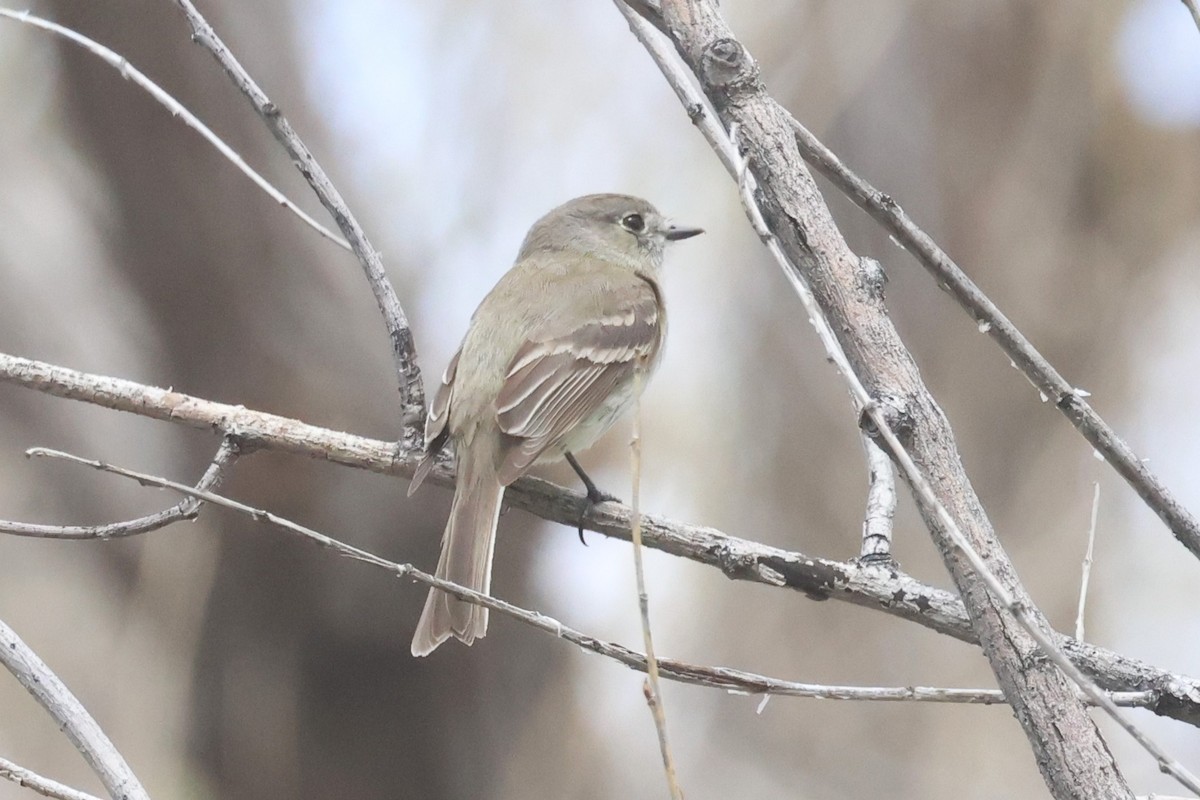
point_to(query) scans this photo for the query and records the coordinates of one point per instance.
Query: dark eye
(633, 223)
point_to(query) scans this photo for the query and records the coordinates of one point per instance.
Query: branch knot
(726, 63)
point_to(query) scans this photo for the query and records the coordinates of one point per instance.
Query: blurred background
(1051, 148)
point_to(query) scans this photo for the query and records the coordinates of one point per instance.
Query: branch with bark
(786, 207)
(765, 149)
(882, 588)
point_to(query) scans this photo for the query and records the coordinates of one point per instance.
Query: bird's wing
(563, 374)
(435, 423)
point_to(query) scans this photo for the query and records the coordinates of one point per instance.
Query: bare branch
(713, 677)
(404, 351)
(177, 109)
(810, 249)
(873, 587)
(881, 504)
(72, 718)
(43, 786)
(188, 508)
(1040, 372)
(651, 689)
(1087, 563)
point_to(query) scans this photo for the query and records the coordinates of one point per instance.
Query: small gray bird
(546, 367)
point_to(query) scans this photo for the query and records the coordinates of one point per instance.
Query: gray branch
(42, 785)
(681, 671)
(1072, 756)
(881, 504)
(1040, 372)
(404, 351)
(188, 508)
(71, 716)
(880, 588)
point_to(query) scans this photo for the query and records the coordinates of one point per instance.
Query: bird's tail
(467, 547)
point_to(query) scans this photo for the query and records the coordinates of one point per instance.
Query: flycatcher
(546, 367)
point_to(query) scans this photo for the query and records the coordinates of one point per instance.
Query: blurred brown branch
(874, 587)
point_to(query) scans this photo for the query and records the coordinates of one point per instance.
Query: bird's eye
(634, 223)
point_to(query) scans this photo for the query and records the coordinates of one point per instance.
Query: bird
(549, 362)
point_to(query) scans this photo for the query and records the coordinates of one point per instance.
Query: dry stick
(1087, 563)
(188, 508)
(42, 785)
(730, 60)
(177, 109)
(990, 320)
(651, 689)
(732, 680)
(72, 718)
(404, 352)
(872, 587)
(881, 504)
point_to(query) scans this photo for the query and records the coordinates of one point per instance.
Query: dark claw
(594, 496)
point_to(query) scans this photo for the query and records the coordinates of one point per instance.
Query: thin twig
(989, 319)
(652, 689)
(177, 109)
(43, 786)
(1028, 619)
(1087, 563)
(188, 508)
(725, 678)
(72, 718)
(873, 587)
(881, 504)
(404, 352)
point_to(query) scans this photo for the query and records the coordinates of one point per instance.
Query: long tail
(467, 547)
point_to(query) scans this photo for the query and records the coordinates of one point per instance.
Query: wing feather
(563, 377)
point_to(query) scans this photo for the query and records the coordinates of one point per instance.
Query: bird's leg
(594, 496)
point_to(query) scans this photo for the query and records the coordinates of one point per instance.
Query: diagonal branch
(177, 109)
(797, 227)
(878, 588)
(681, 671)
(188, 508)
(74, 720)
(42, 785)
(1040, 372)
(404, 351)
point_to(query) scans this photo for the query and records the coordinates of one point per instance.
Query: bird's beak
(676, 232)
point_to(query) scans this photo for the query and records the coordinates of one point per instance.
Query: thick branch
(881, 588)
(71, 716)
(1072, 756)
